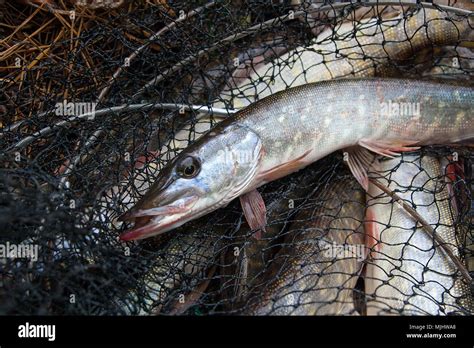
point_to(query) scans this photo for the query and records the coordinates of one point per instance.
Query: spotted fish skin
(364, 49)
(287, 131)
(353, 49)
(306, 123)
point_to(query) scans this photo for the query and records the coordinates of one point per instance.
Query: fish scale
(441, 107)
(269, 140)
(409, 273)
(359, 49)
(470, 239)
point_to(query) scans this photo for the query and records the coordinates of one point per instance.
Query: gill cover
(238, 158)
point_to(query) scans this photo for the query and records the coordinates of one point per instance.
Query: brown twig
(203, 109)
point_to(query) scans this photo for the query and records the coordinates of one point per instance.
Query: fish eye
(189, 167)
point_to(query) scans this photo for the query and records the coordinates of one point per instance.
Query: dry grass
(34, 36)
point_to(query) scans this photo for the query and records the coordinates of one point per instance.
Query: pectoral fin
(255, 211)
(361, 157)
(359, 161)
(454, 172)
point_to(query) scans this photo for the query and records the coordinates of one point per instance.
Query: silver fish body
(289, 130)
(409, 274)
(357, 48)
(308, 122)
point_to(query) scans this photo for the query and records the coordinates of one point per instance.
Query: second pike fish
(289, 130)
(354, 48)
(316, 270)
(408, 273)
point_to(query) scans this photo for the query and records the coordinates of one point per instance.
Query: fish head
(217, 168)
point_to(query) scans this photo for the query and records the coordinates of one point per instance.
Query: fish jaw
(153, 228)
(161, 219)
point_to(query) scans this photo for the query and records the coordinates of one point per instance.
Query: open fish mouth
(155, 221)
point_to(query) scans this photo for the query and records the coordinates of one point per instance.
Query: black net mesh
(98, 96)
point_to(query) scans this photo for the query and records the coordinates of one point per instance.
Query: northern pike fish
(316, 270)
(291, 129)
(409, 273)
(342, 48)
